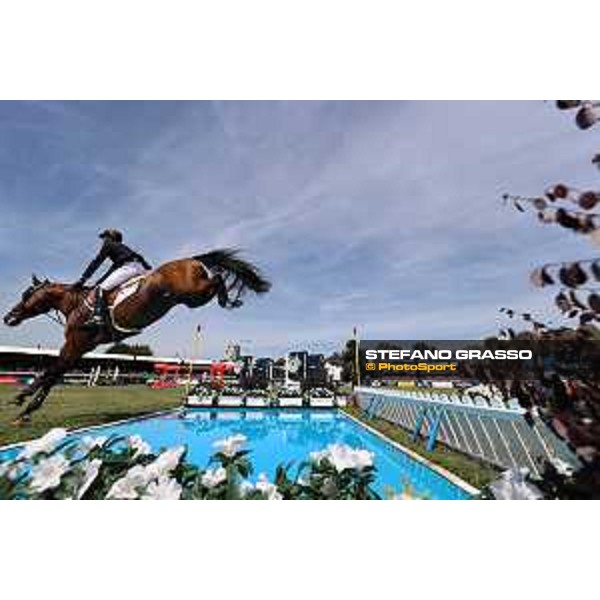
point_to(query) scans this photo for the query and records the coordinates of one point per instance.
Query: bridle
(57, 317)
(53, 314)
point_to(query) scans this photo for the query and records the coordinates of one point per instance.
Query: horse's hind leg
(206, 290)
(216, 286)
(223, 295)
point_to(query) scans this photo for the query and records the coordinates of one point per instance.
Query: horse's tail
(245, 274)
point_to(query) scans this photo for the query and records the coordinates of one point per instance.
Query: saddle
(125, 290)
(116, 297)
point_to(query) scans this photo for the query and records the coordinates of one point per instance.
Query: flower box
(257, 401)
(230, 400)
(205, 398)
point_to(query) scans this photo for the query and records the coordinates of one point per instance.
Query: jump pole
(195, 346)
(356, 362)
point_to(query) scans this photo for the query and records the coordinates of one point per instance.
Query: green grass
(74, 406)
(475, 472)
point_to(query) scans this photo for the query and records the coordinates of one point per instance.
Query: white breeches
(121, 275)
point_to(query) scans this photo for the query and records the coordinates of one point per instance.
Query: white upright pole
(356, 361)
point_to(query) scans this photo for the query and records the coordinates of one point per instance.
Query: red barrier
(161, 385)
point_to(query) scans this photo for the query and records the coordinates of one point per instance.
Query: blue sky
(385, 215)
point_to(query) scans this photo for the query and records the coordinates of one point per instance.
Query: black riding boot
(97, 318)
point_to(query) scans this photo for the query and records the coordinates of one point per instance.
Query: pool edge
(451, 477)
(158, 413)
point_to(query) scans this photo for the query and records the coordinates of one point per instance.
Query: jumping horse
(193, 282)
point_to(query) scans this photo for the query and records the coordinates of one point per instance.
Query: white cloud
(385, 215)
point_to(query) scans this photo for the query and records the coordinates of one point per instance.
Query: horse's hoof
(20, 421)
(18, 401)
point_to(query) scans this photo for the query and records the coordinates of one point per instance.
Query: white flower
(139, 477)
(48, 472)
(10, 469)
(139, 445)
(47, 443)
(246, 487)
(213, 477)
(404, 495)
(263, 485)
(163, 489)
(344, 457)
(318, 455)
(166, 462)
(512, 485)
(89, 443)
(562, 467)
(92, 468)
(329, 488)
(231, 445)
(266, 487)
(127, 487)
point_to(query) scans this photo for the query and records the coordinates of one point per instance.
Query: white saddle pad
(126, 290)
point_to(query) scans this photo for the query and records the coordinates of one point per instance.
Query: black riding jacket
(118, 253)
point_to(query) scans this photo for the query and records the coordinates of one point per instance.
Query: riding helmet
(113, 234)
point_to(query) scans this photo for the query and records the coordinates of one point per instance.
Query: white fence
(491, 430)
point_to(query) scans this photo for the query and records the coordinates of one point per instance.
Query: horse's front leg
(40, 389)
(74, 348)
(32, 388)
(37, 401)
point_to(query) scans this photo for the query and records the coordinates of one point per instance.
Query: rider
(126, 264)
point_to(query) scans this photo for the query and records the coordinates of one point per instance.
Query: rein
(56, 317)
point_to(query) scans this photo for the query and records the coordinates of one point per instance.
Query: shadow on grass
(471, 470)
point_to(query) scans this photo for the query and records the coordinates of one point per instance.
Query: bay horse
(192, 282)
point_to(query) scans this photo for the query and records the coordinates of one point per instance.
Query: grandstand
(18, 364)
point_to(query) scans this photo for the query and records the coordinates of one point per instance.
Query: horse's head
(35, 301)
